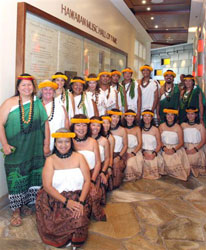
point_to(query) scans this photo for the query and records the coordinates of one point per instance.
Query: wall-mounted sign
(85, 22)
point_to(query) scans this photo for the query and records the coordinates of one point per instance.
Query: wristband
(65, 203)
(174, 150)
(120, 156)
(143, 150)
(94, 182)
(196, 149)
(154, 152)
(133, 153)
(109, 167)
(104, 172)
(82, 203)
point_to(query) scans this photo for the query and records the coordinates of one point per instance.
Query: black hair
(101, 132)
(92, 75)
(77, 78)
(117, 110)
(175, 116)
(124, 122)
(81, 116)
(19, 81)
(197, 118)
(191, 79)
(62, 130)
(142, 121)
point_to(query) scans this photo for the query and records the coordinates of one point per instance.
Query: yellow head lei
(110, 112)
(104, 73)
(130, 113)
(92, 79)
(146, 67)
(96, 121)
(116, 72)
(77, 80)
(169, 73)
(25, 77)
(147, 113)
(48, 84)
(106, 118)
(60, 76)
(171, 111)
(191, 110)
(64, 135)
(77, 120)
(189, 78)
(127, 70)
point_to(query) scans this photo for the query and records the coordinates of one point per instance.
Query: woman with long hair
(191, 95)
(96, 130)
(62, 203)
(153, 166)
(120, 148)
(194, 142)
(108, 135)
(24, 135)
(134, 162)
(175, 159)
(62, 94)
(82, 101)
(88, 147)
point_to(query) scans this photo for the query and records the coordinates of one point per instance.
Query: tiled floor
(143, 215)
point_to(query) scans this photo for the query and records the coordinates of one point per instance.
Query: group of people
(94, 135)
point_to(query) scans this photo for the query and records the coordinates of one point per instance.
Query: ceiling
(166, 21)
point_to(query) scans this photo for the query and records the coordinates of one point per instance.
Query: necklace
(191, 123)
(22, 118)
(97, 138)
(51, 116)
(107, 134)
(145, 84)
(63, 95)
(116, 127)
(147, 129)
(129, 127)
(170, 125)
(81, 139)
(63, 156)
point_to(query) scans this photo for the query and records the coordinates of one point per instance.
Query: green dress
(169, 101)
(24, 166)
(191, 99)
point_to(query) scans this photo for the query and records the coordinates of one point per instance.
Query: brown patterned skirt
(118, 171)
(197, 160)
(95, 198)
(177, 165)
(56, 224)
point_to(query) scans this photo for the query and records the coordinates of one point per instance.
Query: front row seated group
(99, 153)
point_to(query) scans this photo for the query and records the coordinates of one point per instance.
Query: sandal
(16, 220)
(26, 210)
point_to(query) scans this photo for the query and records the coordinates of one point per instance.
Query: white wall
(101, 12)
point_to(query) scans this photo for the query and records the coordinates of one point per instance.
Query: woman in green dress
(191, 95)
(24, 135)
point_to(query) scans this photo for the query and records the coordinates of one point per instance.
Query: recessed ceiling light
(148, 8)
(144, 2)
(167, 29)
(156, 26)
(156, 1)
(152, 18)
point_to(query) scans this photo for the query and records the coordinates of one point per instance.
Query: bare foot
(16, 219)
